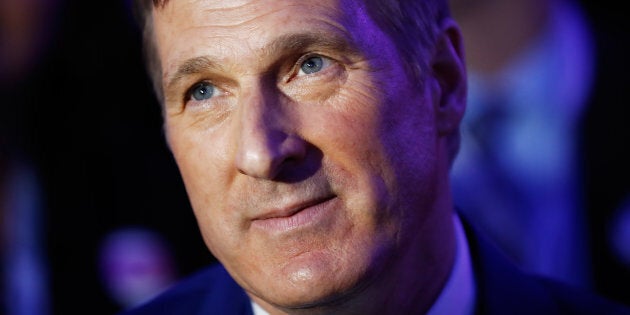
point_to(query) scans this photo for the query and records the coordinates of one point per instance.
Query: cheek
(362, 126)
(205, 176)
(200, 157)
(387, 144)
(356, 155)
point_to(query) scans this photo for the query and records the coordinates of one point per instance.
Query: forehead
(188, 28)
(233, 12)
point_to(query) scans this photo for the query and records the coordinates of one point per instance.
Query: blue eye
(202, 91)
(313, 64)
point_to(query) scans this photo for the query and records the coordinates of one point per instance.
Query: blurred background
(93, 211)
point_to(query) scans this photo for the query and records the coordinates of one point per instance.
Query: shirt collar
(458, 295)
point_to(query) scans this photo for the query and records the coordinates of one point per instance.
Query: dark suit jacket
(504, 289)
(501, 289)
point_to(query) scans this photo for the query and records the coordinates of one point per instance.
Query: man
(315, 140)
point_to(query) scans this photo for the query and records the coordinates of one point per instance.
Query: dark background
(87, 120)
(85, 117)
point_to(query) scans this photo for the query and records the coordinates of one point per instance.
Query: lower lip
(306, 217)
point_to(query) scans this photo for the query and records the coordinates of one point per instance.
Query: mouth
(295, 217)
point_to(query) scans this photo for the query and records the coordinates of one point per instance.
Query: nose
(266, 143)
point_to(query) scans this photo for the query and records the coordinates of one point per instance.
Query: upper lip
(292, 208)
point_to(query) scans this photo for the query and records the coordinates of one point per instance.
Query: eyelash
(188, 95)
(298, 64)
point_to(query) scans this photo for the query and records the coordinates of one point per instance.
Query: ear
(449, 72)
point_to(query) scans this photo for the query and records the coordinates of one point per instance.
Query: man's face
(308, 156)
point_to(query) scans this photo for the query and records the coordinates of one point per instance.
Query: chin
(321, 282)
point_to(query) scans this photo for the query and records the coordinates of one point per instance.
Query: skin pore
(316, 169)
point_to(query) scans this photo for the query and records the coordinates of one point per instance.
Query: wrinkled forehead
(232, 18)
(220, 18)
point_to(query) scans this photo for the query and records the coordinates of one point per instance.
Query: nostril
(300, 166)
(293, 148)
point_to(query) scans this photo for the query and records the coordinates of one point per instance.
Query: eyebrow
(188, 67)
(280, 45)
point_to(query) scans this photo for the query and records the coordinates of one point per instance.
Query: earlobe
(449, 73)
